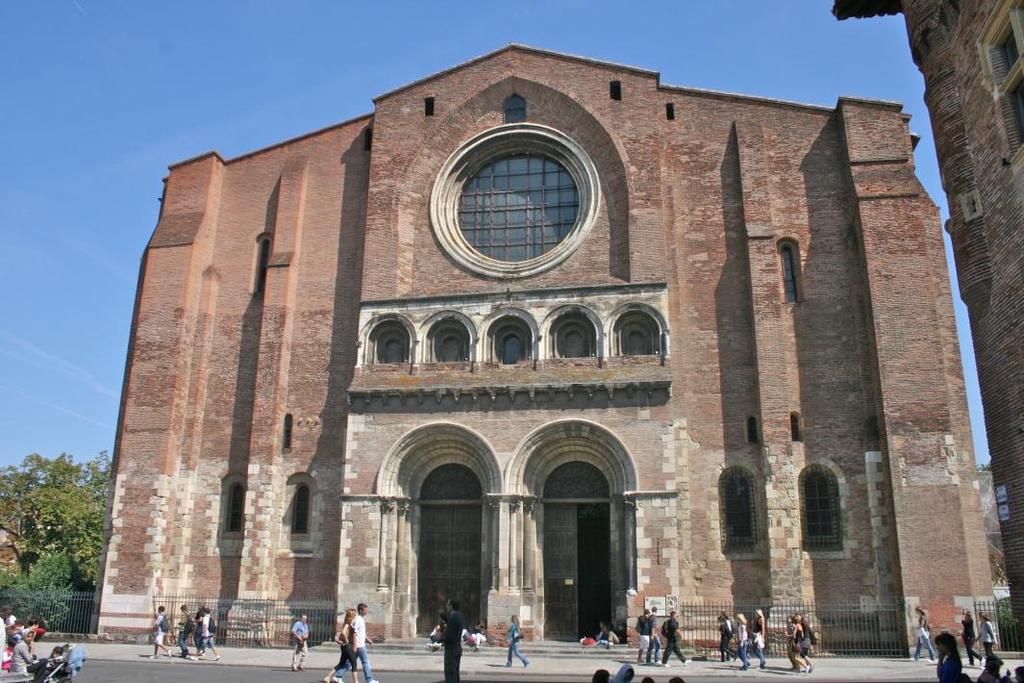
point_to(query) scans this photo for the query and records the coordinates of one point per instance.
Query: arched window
(451, 482)
(574, 336)
(511, 338)
(819, 492)
(236, 508)
(753, 433)
(390, 342)
(795, 430)
(262, 263)
(637, 334)
(286, 436)
(736, 492)
(300, 510)
(449, 342)
(576, 479)
(515, 109)
(790, 272)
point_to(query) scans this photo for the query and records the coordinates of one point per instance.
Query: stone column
(515, 529)
(387, 505)
(629, 522)
(529, 544)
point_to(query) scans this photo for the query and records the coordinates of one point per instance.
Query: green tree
(53, 511)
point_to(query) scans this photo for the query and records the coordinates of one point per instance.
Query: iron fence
(61, 611)
(841, 629)
(256, 622)
(1007, 625)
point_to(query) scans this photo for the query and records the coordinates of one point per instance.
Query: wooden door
(449, 562)
(560, 571)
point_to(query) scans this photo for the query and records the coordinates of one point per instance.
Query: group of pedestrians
(351, 638)
(197, 630)
(650, 638)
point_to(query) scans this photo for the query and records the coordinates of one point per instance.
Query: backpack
(212, 627)
(810, 635)
(664, 628)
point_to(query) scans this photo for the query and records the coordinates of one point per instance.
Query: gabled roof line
(742, 96)
(272, 146)
(524, 48)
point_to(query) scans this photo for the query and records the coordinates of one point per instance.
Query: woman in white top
(987, 635)
(742, 638)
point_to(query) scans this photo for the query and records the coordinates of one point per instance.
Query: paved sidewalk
(491, 661)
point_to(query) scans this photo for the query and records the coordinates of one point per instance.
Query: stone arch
(423, 449)
(570, 309)
(442, 316)
(563, 441)
(485, 331)
(368, 349)
(612, 322)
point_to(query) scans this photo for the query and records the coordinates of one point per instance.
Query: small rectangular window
(1009, 50)
(670, 111)
(615, 90)
(368, 139)
(428, 106)
(1017, 100)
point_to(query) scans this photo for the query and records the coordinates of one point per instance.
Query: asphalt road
(181, 672)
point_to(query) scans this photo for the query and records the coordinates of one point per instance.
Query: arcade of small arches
(512, 335)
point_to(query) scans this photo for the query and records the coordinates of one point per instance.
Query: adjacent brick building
(968, 52)
(546, 335)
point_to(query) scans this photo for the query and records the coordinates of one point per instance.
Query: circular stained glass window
(518, 207)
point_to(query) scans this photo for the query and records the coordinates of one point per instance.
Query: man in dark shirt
(644, 629)
(453, 627)
(671, 631)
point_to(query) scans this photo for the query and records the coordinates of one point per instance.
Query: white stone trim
(479, 150)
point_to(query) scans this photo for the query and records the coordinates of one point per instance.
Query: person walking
(362, 641)
(186, 626)
(950, 667)
(208, 630)
(159, 630)
(346, 639)
(924, 635)
(300, 636)
(197, 632)
(655, 639)
(514, 636)
(670, 629)
(794, 636)
(969, 635)
(644, 628)
(454, 625)
(725, 636)
(742, 640)
(759, 629)
(808, 639)
(987, 635)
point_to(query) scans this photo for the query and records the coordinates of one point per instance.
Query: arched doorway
(577, 552)
(449, 557)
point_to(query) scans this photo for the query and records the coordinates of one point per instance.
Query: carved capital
(386, 505)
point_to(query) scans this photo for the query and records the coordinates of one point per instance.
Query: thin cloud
(46, 360)
(54, 406)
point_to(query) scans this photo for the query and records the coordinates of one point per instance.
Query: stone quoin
(550, 337)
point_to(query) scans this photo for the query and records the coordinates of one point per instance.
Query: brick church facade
(969, 54)
(553, 338)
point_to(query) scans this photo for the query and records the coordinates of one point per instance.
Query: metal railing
(61, 611)
(841, 629)
(248, 622)
(1007, 625)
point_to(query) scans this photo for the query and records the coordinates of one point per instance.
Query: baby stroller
(63, 664)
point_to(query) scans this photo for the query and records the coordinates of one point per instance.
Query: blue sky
(100, 96)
